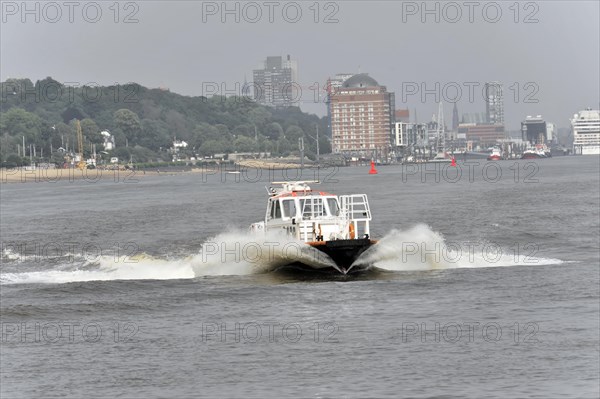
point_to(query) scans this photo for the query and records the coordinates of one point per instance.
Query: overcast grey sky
(553, 59)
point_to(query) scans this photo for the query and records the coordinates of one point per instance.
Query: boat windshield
(334, 209)
(312, 207)
(275, 210)
(289, 208)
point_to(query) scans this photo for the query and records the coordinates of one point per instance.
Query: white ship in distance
(586, 132)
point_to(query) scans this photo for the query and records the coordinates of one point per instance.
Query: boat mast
(441, 134)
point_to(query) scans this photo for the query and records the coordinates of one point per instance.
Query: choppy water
(484, 283)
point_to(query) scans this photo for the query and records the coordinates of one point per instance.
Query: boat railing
(312, 230)
(356, 209)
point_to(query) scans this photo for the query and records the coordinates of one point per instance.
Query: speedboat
(337, 226)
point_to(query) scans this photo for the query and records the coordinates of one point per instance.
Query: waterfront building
(410, 134)
(482, 134)
(362, 117)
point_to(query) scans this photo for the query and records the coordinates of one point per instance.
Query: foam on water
(241, 253)
(231, 253)
(236, 253)
(421, 248)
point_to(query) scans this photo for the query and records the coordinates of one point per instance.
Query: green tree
(12, 161)
(283, 146)
(223, 130)
(212, 147)
(244, 130)
(18, 122)
(129, 123)
(274, 131)
(143, 154)
(244, 144)
(72, 113)
(178, 125)
(64, 135)
(122, 153)
(156, 135)
(91, 132)
(259, 116)
(293, 133)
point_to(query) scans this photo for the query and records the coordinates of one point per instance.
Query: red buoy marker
(373, 171)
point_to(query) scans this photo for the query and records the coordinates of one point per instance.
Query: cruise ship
(586, 132)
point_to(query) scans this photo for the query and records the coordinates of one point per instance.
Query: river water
(485, 283)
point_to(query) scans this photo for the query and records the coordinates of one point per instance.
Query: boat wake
(421, 248)
(240, 253)
(231, 253)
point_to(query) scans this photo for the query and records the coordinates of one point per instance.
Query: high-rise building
(277, 83)
(494, 103)
(362, 117)
(455, 120)
(332, 85)
(337, 81)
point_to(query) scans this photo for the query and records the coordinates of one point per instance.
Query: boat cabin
(315, 215)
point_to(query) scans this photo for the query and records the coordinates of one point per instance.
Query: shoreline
(52, 175)
(260, 164)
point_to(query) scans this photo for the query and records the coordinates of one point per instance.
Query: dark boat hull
(531, 156)
(343, 252)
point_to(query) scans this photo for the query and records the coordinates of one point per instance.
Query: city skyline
(537, 58)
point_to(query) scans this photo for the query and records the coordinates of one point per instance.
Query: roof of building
(403, 114)
(360, 80)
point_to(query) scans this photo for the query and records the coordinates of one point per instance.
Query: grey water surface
(105, 291)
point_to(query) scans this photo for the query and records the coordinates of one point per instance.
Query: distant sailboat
(442, 155)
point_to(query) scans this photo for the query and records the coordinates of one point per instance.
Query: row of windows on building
(362, 106)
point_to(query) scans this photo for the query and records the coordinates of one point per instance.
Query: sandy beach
(260, 164)
(52, 175)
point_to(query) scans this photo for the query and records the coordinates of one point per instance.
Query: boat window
(303, 208)
(312, 207)
(289, 208)
(332, 203)
(277, 210)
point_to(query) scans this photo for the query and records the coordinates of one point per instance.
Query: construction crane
(81, 162)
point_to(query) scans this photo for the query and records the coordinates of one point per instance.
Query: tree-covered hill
(144, 122)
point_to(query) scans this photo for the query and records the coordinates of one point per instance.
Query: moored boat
(496, 155)
(537, 152)
(441, 157)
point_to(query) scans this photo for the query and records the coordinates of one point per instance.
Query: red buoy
(373, 171)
